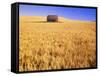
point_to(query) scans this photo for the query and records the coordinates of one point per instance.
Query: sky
(85, 14)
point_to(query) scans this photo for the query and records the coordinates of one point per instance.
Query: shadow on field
(41, 22)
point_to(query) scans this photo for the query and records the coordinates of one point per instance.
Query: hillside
(56, 45)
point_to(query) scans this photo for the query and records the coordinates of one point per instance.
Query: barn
(52, 18)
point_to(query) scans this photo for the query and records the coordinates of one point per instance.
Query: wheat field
(56, 45)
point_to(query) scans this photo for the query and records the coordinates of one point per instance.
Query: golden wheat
(64, 45)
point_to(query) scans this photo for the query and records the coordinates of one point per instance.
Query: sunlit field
(65, 44)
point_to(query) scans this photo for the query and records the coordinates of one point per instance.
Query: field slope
(56, 45)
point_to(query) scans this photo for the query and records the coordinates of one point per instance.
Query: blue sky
(86, 14)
